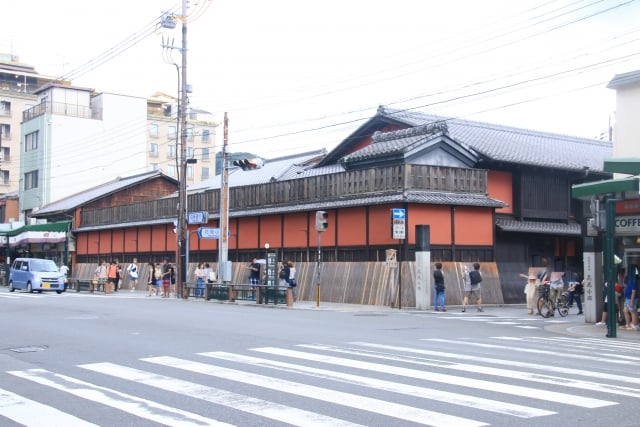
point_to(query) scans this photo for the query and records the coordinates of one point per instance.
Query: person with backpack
(438, 285)
(473, 279)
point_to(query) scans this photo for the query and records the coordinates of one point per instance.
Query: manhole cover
(26, 349)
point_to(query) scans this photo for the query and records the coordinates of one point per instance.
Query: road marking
(390, 409)
(142, 408)
(500, 407)
(436, 377)
(525, 365)
(30, 413)
(556, 354)
(263, 408)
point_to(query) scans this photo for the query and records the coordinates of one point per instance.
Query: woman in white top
(132, 270)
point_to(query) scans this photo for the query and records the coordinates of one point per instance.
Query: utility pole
(182, 229)
(223, 246)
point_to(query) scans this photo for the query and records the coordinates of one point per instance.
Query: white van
(35, 274)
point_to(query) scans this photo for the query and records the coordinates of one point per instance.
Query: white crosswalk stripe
(416, 384)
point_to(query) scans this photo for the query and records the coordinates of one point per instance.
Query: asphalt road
(130, 360)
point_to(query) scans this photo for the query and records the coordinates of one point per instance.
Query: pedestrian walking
(132, 271)
(473, 278)
(438, 288)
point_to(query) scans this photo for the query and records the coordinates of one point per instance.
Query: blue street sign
(398, 213)
(199, 217)
(208, 233)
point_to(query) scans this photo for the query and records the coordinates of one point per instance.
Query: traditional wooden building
(489, 193)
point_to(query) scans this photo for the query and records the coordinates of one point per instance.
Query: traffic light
(249, 164)
(321, 220)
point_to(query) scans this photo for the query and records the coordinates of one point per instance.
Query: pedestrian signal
(321, 221)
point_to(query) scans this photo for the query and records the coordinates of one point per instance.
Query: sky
(297, 76)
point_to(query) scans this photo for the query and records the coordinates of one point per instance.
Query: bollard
(289, 297)
(259, 291)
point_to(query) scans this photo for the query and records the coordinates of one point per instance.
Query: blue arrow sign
(208, 233)
(398, 213)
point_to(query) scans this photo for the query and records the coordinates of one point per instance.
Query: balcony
(57, 108)
(349, 185)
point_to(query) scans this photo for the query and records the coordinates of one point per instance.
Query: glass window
(153, 130)
(205, 154)
(5, 108)
(172, 151)
(172, 133)
(190, 171)
(153, 149)
(205, 172)
(205, 135)
(153, 166)
(4, 177)
(190, 134)
(5, 131)
(189, 152)
(172, 171)
(31, 180)
(31, 141)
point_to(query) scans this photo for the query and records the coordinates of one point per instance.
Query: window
(31, 141)
(189, 152)
(154, 166)
(172, 133)
(31, 180)
(189, 171)
(5, 108)
(5, 154)
(205, 136)
(153, 130)
(205, 173)
(4, 177)
(5, 131)
(189, 134)
(171, 153)
(153, 150)
(205, 154)
(172, 171)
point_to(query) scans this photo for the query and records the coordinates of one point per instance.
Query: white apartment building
(627, 126)
(74, 138)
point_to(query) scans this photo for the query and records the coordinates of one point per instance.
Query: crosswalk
(433, 382)
(517, 321)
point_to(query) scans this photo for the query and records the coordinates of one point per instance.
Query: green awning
(630, 187)
(54, 232)
(630, 166)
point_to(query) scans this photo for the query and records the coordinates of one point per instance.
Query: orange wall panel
(271, 231)
(246, 235)
(380, 225)
(473, 226)
(500, 186)
(438, 217)
(352, 226)
(296, 229)
(144, 239)
(117, 241)
(131, 239)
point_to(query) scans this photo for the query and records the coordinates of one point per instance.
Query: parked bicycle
(546, 306)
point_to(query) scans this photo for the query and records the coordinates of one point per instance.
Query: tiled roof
(401, 141)
(624, 79)
(512, 145)
(282, 168)
(98, 192)
(539, 227)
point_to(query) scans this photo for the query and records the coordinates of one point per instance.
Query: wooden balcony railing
(349, 184)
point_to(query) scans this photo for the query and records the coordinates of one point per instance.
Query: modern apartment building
(57, 139)
(18, 82)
